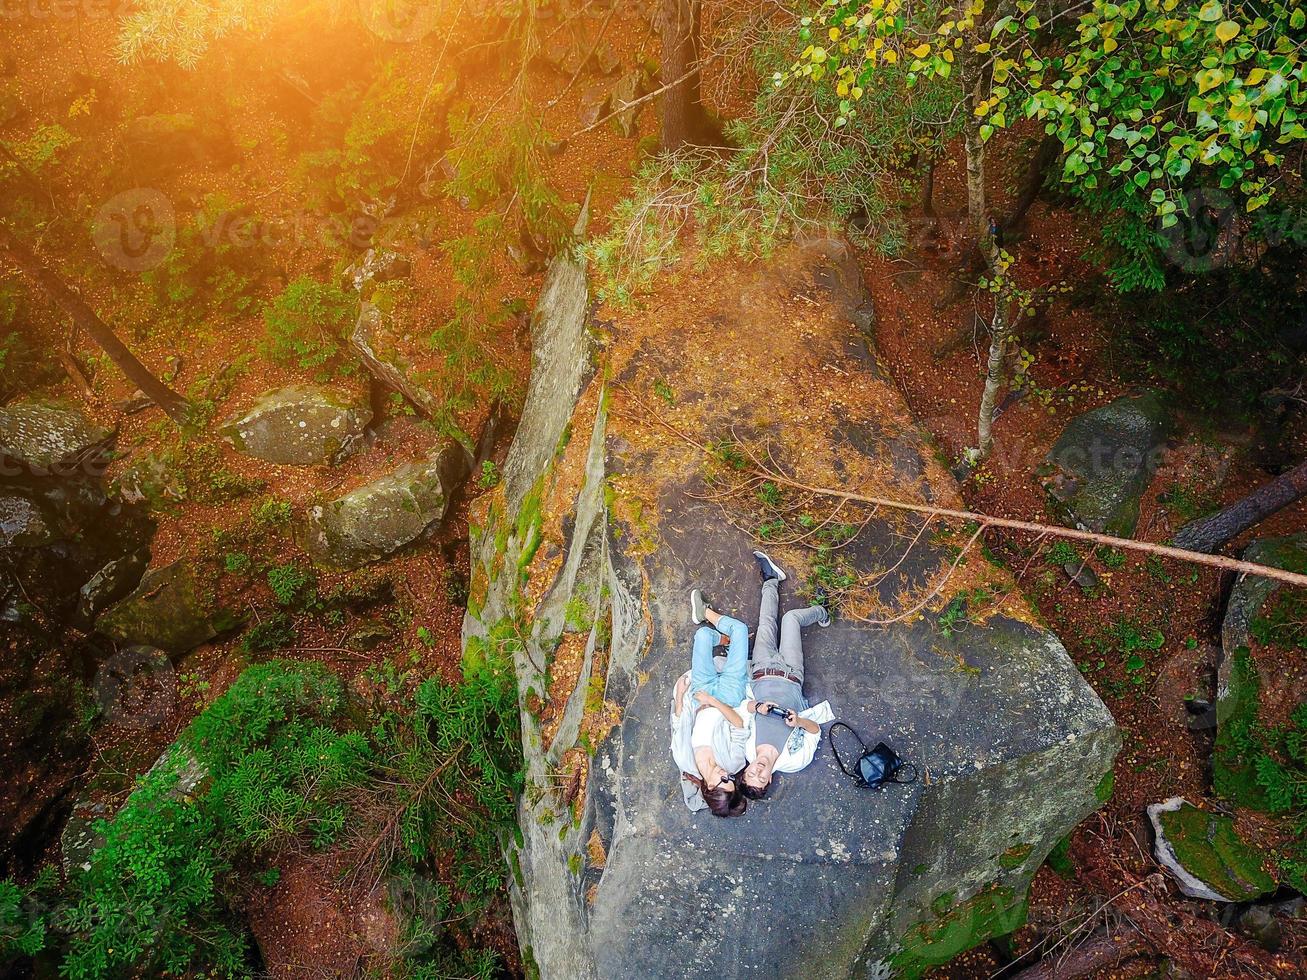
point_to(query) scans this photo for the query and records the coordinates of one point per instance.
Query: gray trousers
(781, 648)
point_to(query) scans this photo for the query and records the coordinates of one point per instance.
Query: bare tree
(63, 296)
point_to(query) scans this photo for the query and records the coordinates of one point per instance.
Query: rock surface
(48, 438)
(302, 425)
(1104, 460)
(594, 510)
(381, 517)
(1204, 855)
(170, 609)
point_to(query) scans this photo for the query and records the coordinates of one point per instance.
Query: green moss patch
(994, 912)
(1208, 847)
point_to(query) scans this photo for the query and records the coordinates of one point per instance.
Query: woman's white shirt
(726, 741)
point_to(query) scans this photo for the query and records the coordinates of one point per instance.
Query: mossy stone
(1208, 847)
(991, 913)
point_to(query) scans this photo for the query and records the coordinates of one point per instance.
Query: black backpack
(875, 767)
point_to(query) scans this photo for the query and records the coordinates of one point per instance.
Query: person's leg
(791, 649)
(733, 678)
(766, 649)
(703, 671)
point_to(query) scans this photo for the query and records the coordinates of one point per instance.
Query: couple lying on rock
(733, 735)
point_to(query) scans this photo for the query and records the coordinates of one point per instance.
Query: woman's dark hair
(752, 792)
(726, 803)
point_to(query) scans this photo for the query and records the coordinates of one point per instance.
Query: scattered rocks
(49, 438)
(383, 516)
(160, 143)
(629, 87)
(300, 425)
(111, 583)
(1205, 855)
(1263, 928)
(170, 609)
(1103, 462)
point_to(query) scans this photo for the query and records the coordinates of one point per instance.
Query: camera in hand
(778, 711)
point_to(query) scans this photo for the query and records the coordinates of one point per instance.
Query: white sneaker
(768, 568)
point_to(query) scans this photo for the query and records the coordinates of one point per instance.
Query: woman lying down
(718, 736)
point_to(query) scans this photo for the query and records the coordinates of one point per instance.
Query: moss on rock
(987, 914)
(1208, 847)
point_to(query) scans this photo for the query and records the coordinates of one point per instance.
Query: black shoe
(820, 598)
(768, 568)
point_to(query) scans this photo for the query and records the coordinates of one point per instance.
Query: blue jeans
(728, 686)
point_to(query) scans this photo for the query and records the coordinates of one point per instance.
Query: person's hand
(762, 707)
(703, 697)
(792, 719)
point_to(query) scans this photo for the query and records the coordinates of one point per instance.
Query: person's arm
(729, 713)
(682, 686)
(795, 721)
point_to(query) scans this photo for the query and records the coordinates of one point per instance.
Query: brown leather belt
(772, 672)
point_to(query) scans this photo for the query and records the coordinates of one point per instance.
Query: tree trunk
(48, 281)
(1101, 952)
(1209, 533)
(974, 146)
(1033, 181)
(928, 192)
(993, 381)
(683, 116)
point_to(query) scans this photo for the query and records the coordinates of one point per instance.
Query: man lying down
(734, 723)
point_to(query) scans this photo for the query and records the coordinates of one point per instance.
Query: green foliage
(489, 476)
(236, 563)
(1283, 620)
(275, 633)
(366, 135)
(271, 512)
(156, 897)
(293, 584)
(24, 916)
(207, 270)
(1063, 553)
(306, 326)
(160, 30)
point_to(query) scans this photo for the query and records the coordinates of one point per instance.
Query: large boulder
(603, 523)
(1104, 460)
(49, 438)
(381, 517)
(302, 425)
(171, 609)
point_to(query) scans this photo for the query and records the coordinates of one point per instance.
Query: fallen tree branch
(987, 521)
(1100, 952)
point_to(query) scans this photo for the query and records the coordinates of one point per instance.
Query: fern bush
(158, 895)
(306, 326)
(279, 761)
